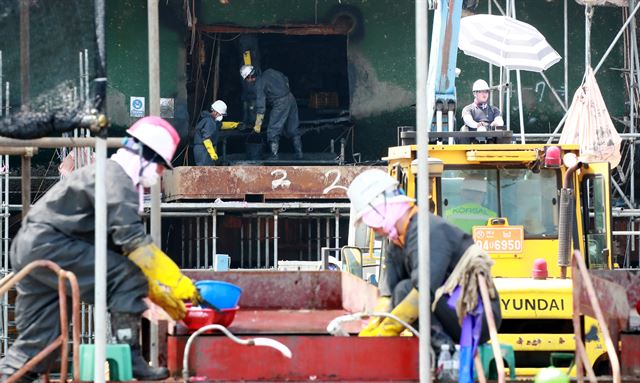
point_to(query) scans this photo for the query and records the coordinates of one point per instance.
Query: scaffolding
(320, 224)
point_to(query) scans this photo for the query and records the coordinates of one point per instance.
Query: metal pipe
(182, 237)
(327, 227)
(566, 55)
(198, 239)
(425, 100)
(214, 233)
(9, 151)
(337, 228)
(624, 197)
(242, 246)
(154, 57)
(206, 243)
(520, 111)
(318, 239)
(275, 240)
(1, 110)
(24, 53)
(26, 183)
(7, 102)
(59, 142)
(309, 241)
(153, 36)
(87, 99)
(258, 253)
(632, 103)
(266, 242)
(243, 206)
(81, 77)
(615, 39)
(250, 239)
(553, 91)
(508, 96)
(100, 298)
(5, 252)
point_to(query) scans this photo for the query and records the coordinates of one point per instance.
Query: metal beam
(59, 142)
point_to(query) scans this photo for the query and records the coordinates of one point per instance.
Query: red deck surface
(315, 358)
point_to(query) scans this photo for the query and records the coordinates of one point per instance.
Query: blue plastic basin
(221, 294)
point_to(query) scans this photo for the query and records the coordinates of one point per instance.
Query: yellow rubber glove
(383, 305)
(210, 149)
(258, 126)
(407, 310)
(168, 287)
(227, 125)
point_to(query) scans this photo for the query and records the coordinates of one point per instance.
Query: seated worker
(378, 203)
(471, 212)
(205, 137)
(479, 115)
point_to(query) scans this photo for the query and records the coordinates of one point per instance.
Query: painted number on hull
(334, 184)
(281, 182)
(499, 240)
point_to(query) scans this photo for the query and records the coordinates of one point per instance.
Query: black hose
(28, 125)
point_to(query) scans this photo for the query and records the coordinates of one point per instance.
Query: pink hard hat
(158, 135)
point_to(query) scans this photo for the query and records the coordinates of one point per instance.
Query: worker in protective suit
(205, 138)
(60, 228)
(479, 115)
(272, 87)
(377, 202)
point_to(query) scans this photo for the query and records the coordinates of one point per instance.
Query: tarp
(589, 125)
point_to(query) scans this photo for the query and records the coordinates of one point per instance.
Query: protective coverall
(272, 87)
(400, 274)
(60, 228)
(473, 113)
(207, 128)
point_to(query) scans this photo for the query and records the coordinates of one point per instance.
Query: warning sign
(136, 107)
(499, 239)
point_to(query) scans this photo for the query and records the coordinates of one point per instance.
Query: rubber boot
(126, 329)
(274, 146)
(297, 147)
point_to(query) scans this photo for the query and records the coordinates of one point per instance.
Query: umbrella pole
(520, 112)
(500, 102)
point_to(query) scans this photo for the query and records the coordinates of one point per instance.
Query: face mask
(219, 118)
(385, 216)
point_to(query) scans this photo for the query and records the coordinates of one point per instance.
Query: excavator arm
(443, 57)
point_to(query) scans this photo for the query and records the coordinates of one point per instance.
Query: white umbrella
(589, 125)
(506, 42)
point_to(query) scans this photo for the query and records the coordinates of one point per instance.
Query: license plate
(499, 240)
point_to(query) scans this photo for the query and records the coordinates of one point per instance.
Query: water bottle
(444, 371)
(455, 363)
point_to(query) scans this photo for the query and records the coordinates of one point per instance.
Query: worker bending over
(479, 115)
(272, 87)
(378, 203)
(205, 138)
(60, 228)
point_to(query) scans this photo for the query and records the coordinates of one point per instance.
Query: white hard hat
(158, 135)
(247, 70)
(479, 85)
(220, 107)
(370, 187)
